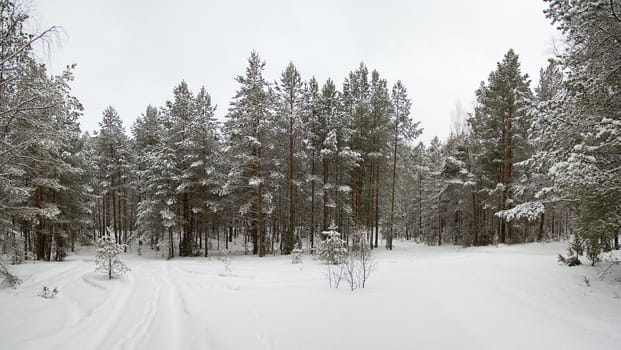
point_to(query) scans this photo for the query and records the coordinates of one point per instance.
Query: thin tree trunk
(312, 221)
(206, 234)
(377, 208)
(326, 170)
(392, 195)
(540, 233)
(439, 222)
(420, 205)
(115, 209)
(370, 205)
(291, 223)
(260, 227)
(171, 243)
(39, 237)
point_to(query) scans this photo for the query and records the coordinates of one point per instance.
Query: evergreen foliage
(294, 156)
(107, 257)
(296, 254)
(333, 249)
(47, 293)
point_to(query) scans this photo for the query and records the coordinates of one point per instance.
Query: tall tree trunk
(107, 214)
(420, 205)
(39, 236)
(124, 218)
(260, 224)
(439, 222)
(392, 195)
(260, 228)
(540, 232)
(371, 203)
(206, 234)
(377, 207)
(291, 223)
(312, 220)
(171, 243)
(187, 240)
(326, 170)
(359, 197)
(509, 171)
(475, 220)
(114, 209)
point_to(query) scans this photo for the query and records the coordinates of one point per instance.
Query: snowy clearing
(419, 297)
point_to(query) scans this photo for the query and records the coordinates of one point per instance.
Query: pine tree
(460, 191)
(499, 125)
(290, 104)
(314, 130)
(327, 128)
(249, 129)
(433, 187)
(534, 185)
(112, 149)
(403, 129)
(180, 112)
(333, 249)
(35, 145)
(587, 165)
(357, 110)
(205, 162)
(379, 135)
(158, 208)
(148, 137)
(37, 125)
(107, 256)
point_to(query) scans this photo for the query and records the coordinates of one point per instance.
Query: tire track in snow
(165, 330)
(119, 300)
(192, 291)
(102, 316)
(56, 337)
(35, 281)
(136, 336)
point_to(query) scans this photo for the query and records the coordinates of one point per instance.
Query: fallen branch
(569, 261)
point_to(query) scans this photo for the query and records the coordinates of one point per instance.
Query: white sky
(131, 53)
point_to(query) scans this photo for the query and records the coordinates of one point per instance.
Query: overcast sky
(131, 53)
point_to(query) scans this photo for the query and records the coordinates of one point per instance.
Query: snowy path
(418, 298)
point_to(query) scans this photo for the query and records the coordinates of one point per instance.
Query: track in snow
(419, 297)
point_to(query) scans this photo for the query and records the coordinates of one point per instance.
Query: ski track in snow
(419, 297)
(128, 333)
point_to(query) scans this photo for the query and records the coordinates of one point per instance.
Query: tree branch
(26, 45)
(612, 10)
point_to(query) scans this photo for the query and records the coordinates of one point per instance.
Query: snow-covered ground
(508, 297)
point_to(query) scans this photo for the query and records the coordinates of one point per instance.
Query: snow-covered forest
(331, 177)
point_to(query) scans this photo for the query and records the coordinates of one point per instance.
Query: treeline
(294, 156)
(291, 158)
